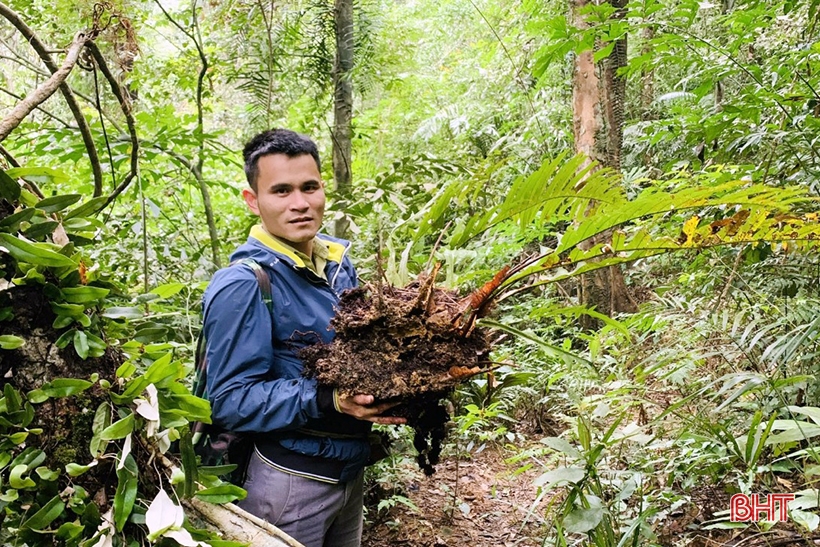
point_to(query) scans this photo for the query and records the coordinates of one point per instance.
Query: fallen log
(235, 524)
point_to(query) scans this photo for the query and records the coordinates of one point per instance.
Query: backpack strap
(201, 374)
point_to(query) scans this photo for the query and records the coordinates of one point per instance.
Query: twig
(129, 120)
(98, 106)
(725, 292)
(42, 51)
(89, 100)
(9, 158)
(38, 107)
(435, 247)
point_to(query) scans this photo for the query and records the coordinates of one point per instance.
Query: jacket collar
(335, 250)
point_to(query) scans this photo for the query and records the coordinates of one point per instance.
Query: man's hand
(362, 408)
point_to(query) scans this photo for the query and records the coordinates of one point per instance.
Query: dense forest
(633, 185)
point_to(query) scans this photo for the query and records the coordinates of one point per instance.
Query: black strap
(263, 280)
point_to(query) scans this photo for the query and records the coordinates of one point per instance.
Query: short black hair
(276, 141)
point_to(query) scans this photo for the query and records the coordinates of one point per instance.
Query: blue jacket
(255, 381)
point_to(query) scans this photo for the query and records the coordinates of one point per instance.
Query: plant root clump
(404, 345)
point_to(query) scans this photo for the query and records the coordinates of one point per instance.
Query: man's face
(289, 198)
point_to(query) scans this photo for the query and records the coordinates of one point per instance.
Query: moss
(64, 454)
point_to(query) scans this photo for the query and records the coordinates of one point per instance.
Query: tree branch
(9, 158)
(46, 90)
(197, 167)
(129, 120)
(42, 51)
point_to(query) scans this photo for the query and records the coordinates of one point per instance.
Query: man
(305, 474)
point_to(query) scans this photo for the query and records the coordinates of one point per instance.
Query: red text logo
(743, 508)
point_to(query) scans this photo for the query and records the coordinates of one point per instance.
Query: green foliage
(462, 132)
(139, 413)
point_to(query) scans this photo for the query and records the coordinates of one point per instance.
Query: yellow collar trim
(335, 251)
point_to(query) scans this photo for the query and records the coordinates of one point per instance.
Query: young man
(305, 475)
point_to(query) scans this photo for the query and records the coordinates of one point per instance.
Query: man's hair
(276, 141)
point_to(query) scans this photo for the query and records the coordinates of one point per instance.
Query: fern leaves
(686, 212)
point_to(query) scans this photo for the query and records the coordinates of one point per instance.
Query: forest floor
(480, 500)
(485, 500)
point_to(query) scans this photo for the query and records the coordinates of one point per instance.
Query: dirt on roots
(404, 345)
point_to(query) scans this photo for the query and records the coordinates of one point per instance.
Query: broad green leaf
(9, 188)
(123, 313)
(126, 493)
(65, 338)
(88, 208)
(30, 457)
(9, 341)
(562, 445)
(217, 470)
(54, 204)
(12, 397)
(39, 230)
(150, 334)
(12, 222)
(812, 412)
(167, 290)
(102, 419)
(46, 515)
(560, 476)
(581, 521)
(39, 175)
(59, 387)
(75, 469)
(118, 429)
(61, 322)
(73, 310)
(126, 370)
(793, 431)
(70, 531)
(224, 493)
(163, 368)
(47, 474)
(10, 496)
(16, 479)
(193, 408)
(38, 254)
(81, 295)
(81, 344)
(810, 521)
(19, 437)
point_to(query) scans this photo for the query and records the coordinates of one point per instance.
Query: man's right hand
(362, 407)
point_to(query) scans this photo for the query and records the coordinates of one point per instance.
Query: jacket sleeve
(243, 395)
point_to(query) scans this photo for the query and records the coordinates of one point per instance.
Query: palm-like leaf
(594, 205)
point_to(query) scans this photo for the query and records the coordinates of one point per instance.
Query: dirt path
(475, 502)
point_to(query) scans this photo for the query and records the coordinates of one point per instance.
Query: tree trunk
(599, 94)
(343, 109)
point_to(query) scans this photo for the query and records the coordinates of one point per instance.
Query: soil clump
(409, 345)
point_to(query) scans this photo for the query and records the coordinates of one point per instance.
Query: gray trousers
(314, 513)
